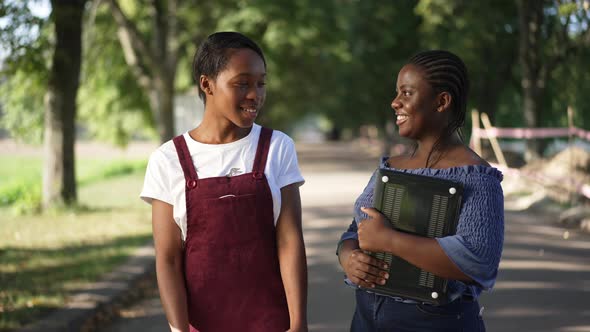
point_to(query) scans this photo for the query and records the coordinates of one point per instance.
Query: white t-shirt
(164, 179)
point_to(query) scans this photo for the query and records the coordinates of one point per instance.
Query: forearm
(426, 254)
(291, 252)
(173, 293)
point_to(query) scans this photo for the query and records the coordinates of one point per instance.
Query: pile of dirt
(563, 175)
(553, 186)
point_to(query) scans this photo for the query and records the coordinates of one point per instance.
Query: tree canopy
(334, 58)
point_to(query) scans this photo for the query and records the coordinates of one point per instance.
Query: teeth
(402, 117)
(249, 110)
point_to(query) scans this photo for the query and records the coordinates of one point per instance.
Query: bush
(24, 196)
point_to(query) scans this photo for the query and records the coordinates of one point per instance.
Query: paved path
(543, 285)
(544, 278)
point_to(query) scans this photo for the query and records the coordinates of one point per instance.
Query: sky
(40, 8)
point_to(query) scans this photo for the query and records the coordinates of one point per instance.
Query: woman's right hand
(362, 269)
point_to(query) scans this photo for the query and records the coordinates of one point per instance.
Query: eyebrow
(406, 86)
(248, 74)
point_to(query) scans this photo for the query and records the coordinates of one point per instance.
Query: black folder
(420, 205)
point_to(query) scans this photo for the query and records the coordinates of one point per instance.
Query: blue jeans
(384, 314)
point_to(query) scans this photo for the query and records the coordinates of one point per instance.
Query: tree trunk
(532, 81)
(531, 105)
(59, 176)
(161, 99)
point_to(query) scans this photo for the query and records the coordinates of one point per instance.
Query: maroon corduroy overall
(231, 266)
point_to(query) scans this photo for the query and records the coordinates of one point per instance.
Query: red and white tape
(580, 187)
(531, 132)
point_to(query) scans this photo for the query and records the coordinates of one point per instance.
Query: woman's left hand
(374, 233)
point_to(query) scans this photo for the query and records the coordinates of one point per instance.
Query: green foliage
(20, 34)
(568, 83)
(24, 71)
(566, 50)
(23, 195)
(22, 97)
(303, 45)
(319, 54)
(378, 48)
(337, 58)
(567, 9)
(569, 87)
(485, 35)
(111, 104)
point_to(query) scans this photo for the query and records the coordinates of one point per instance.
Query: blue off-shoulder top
(476, 247)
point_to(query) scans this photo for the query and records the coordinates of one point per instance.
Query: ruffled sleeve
(477, 246)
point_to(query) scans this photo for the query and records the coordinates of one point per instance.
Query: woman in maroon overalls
(235, 270)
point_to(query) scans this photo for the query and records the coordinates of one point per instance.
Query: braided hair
(446, 72)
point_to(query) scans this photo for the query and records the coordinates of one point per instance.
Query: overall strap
(262, 150)
(190, 174)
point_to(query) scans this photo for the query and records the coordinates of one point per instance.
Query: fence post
(570, 124)
(485, 120)
(475, 139)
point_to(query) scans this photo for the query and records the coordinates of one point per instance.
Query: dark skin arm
(292, 261)
(375, 235)
(169, 270)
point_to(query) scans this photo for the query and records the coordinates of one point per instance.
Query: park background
(89, 88)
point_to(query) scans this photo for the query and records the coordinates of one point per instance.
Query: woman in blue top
(430, 108)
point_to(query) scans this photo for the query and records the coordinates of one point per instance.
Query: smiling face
(237, 94)
(417, 106)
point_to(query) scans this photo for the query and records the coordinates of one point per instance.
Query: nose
(395, 104)
(255, 93)
(252, 93)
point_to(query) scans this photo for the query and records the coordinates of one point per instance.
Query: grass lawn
(44, 257)
(13, 169)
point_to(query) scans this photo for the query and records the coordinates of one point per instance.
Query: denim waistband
(464, 297)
